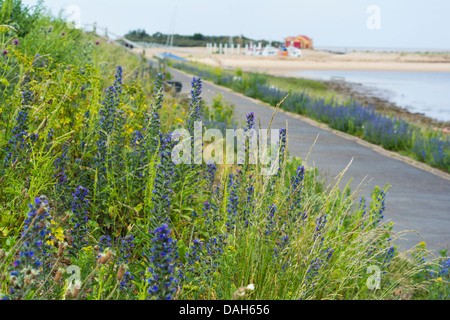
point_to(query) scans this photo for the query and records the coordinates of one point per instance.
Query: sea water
(418, 92)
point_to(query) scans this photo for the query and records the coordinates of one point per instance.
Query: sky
(406, 24)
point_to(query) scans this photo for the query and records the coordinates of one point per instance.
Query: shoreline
(320, 60)
(369, 96)
(366, 95)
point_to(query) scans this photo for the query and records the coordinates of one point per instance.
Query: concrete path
(418, 200)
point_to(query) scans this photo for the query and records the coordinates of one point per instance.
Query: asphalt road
(417, 200)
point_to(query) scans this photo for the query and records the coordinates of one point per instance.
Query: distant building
(301, 42)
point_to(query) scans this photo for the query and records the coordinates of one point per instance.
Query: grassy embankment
(87, 185)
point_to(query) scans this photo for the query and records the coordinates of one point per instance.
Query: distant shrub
(19, 16)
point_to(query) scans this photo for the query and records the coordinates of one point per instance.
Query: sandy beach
(318, 60)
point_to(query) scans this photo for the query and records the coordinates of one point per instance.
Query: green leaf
(4, 82)
(139, 207)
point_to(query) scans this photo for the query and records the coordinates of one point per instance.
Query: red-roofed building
(301, 42)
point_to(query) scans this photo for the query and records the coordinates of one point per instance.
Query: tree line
(195, 40)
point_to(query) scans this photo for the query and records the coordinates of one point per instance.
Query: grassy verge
(93, 207)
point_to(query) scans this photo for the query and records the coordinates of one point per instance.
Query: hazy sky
(341, 23)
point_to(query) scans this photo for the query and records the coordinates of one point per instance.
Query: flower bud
(105, 258)
(61, 250)
(58, 275)
(40, 211)
(68, 294)
(121, 272)
(76, 289)
(27, 281)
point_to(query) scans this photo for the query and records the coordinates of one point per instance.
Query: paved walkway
(418, 200)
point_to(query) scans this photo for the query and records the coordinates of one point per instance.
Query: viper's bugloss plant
(127, 282)
(195, 105)
(295, 209)
(126, 247)
(162, 184)
(112, 119)
(79, 219)
(211, 169)
(162, 283)
(154, 132)
(33, 253)
(283, 141)
(21, 140)
(270, 220)
(232, 201)
(104, 243)
(194, 254)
